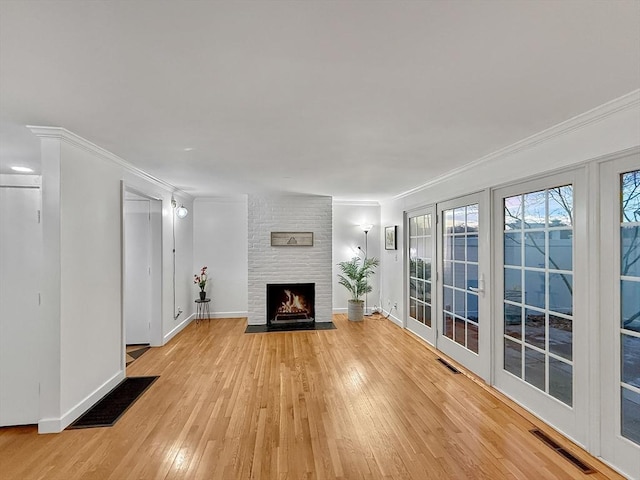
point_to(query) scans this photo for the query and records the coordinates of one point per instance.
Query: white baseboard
(229, 315)
(395, 320)
(177, 329)
(56, 425)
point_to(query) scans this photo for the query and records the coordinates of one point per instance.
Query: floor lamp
(366, 229)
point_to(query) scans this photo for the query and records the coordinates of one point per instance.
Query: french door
(463, 327)
(620, 313)
(541, 330)
(421, 279)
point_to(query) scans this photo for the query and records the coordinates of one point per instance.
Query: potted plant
(355, 278)
(201, 281)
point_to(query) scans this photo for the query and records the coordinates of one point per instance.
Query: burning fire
(294, 304)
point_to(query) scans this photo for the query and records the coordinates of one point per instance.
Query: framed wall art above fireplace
(291, 239)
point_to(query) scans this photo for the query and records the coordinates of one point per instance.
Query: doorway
(20, 266)
(142, 269)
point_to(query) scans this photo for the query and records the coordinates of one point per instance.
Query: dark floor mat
(138, 353)
(112, 406)
(291, 327)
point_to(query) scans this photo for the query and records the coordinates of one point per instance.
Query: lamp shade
(181, 211)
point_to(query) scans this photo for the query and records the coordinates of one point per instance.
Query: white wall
(611, 128)
(347, 236)
(82, 340)
(267, 264)
(220, 243)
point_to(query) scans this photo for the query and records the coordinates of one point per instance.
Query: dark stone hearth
(290, 327)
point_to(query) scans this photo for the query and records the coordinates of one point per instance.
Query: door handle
(480, 287)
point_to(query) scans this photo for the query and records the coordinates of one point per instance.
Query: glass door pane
(630, 306)
(421, 227)
(463, 311)
(538, 289)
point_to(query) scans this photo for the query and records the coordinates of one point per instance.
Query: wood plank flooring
(365, 401)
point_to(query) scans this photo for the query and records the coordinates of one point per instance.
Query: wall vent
(448, 365)
(543, 437)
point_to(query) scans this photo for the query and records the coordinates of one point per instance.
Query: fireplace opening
(290, 303)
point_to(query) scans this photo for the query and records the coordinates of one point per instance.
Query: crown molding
(71, 138)
(356, 203)
(582, 120)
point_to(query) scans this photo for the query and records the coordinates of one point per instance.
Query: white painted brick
(267, 264)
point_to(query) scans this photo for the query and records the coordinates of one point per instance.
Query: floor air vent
(448, 365)
(566, 454)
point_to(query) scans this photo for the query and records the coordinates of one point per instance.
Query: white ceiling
(354, 99)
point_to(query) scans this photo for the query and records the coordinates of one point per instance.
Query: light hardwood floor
(365, 401)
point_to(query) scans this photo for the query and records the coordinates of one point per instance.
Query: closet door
(20, 267)
(620, 313)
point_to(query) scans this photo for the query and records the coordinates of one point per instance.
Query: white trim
(84, 144)
(395, 320)
(56, 425)
(630, 100)
(178, 328)
(243, 314)
(29, 181)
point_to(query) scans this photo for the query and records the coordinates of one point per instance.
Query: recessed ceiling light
(22, 169)
(188, 149)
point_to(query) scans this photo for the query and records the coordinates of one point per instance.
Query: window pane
(561, 206)
(631, 415)
(513, 213)
(420, 225)
(447, 275)
(561, 336)
(534, 289)
(472, 218)
(448, 325)
(412, 308)
(420, 312)
(472, 248)
(472, 276)
(459, 220)
(447, 299)
(561, 380)
(631, 196)
(513, 284)
(472, 307)
(534, 368)
(427, 269)
(561, 250)
(412, 288)
(459, 334)
(472, 337)
(460, 276)
(561, 293)
(534, 249)
(448, 221)
(427, 224)
(630, 360)
(630, 305)
(513, 321)
(427, 315)
(427, 292)
(460, 301)
(534, 328)
(513, 357)
(447, 245)
(512, 244)
(458, 248)
(413, 226)
(534, 209)
(630, 259)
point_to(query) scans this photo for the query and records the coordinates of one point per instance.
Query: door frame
(621, 452)
(428, 334)
(572, 421)
(156, 281)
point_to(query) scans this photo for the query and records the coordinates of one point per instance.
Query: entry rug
(112, 406)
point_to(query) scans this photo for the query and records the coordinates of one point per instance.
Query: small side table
(202, 309)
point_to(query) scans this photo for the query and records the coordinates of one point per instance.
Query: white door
(541, 315)
(137, 265)
(420, 304)
(20, 267)
(463, 252)
(620, 313)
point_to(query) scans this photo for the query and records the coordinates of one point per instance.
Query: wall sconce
(181, 211)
